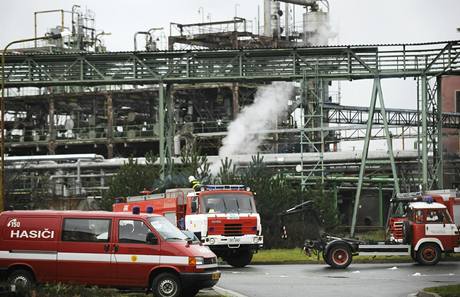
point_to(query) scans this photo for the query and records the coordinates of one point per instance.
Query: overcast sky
(355, 21)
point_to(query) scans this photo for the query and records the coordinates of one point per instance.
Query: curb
(423, 293)
(228, 293)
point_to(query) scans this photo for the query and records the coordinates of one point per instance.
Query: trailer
(427, 231)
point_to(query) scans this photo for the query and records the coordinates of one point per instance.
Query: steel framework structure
(422, 61)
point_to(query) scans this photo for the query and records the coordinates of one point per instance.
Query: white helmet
(191, 178)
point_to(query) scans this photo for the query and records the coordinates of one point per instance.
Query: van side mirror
(151, 239)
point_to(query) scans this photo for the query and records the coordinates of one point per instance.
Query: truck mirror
(194, 205)
(151, 239)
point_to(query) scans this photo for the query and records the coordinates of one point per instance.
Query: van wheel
(166, 285)
(240, 259)
(21, 279)
(428, 254)
(339, 256)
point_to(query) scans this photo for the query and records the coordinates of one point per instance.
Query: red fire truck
(398, 208)
(427, 231)
(223, 217)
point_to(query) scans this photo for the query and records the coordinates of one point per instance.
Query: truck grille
(212, 260)
(398, 230)
(233, 230)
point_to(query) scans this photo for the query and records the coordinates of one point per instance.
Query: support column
(109, 102)
(364, 158)
(235, 99)
(51, 128)
(440, 149)
(424, 134)
(380, 205)
(170, 128)
(161, 122)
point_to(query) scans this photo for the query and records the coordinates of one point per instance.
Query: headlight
(256, 239)
(212, 241)
(199, 260)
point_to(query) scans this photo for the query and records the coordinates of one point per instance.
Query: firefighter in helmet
(196, 184)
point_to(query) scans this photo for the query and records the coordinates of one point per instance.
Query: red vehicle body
(223, 217)
(398, 209)
(104, 249)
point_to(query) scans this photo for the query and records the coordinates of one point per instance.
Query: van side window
(132, 231)
(86, 230)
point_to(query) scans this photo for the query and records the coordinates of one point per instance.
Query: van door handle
(115, 248)
(106, 247)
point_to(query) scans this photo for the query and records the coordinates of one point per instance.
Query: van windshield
(228, 203)
(167, 230)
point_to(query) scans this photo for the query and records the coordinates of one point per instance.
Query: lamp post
(2, 111)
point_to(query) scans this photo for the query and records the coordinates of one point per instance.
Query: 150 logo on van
(14, 223)
(38, 234)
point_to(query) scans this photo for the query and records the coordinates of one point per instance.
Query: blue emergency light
(136, 210)
(428, 199)
(149, 209)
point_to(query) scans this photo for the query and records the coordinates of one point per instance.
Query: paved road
(357, 280)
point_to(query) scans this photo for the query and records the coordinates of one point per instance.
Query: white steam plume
(242, 138)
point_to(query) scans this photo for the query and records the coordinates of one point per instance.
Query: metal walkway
(228, 65)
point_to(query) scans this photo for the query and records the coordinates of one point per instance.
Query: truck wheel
(239, 259)
(21, 279)
(166, 285)
(339, 256)
(428, 254)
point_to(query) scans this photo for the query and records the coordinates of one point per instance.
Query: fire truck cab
(223, 217)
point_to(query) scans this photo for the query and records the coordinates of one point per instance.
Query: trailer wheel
(339, 256)
(240, 258)
(21, 279)
(428, 254)
(166, 285)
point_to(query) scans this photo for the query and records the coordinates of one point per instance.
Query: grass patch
(297, 256)
(446, 291)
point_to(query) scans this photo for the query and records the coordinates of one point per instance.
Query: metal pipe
(135, 38)
(46, 11)
(66, 157)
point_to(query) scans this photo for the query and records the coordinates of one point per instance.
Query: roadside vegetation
(446, 291)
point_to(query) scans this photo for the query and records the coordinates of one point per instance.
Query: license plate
(215, 275)
(234, 240)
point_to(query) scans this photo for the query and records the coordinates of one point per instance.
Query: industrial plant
(74, 112)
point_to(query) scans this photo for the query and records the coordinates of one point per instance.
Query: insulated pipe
(93, 157)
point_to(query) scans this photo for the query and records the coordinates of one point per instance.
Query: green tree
(130, 179)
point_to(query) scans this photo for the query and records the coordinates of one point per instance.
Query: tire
(22, 279)
(339, 256)
(239, 259)
(166, 285)
(428, 254)
(407, 232)
(190, 292)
